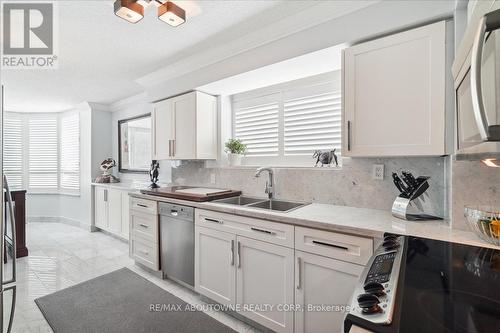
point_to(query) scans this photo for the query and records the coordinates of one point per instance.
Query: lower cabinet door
(265, 283)
(215, 275)
(101, 207)
(115, 211)
(322, 282)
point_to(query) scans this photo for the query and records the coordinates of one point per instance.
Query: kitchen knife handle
(348, 135)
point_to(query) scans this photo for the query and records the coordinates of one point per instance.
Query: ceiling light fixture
(129, 10)
(171, 14)
(133, 11)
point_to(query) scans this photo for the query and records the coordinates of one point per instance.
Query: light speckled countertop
(351, 220)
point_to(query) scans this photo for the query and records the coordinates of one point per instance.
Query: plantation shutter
(42, 153)
(312, 119)
(256, 124)
(13, 150)
(70, 152)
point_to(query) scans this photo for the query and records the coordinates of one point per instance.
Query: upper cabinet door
(163, 132)
(184, 145)
(394, 94)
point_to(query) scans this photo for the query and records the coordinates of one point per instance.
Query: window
(69, 164)
(284, 124)
(42, 152)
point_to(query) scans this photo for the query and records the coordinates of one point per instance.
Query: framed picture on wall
(134, 142)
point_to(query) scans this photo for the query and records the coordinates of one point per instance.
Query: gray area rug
(120, 302)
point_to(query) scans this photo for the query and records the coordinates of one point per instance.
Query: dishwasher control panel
(176, 211)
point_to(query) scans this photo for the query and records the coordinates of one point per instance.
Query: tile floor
(61, 255)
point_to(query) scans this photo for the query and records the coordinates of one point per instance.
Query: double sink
(271, 204)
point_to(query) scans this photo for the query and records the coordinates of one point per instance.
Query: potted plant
(235, 149)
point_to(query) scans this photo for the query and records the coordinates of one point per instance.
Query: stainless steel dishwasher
(177, 243)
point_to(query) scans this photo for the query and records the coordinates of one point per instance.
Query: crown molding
(318, 13)
(127, 102)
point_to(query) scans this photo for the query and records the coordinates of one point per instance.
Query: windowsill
(253, 167)
(54, 193)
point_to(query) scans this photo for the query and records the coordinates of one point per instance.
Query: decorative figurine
(153, 173)
(326, 158)
(106, 176)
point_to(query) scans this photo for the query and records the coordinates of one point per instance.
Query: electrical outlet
(378, 172)
(212, 178)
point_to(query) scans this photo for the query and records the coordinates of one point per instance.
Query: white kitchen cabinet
(115, 211)
(144, 232)
(394, 94)
(321, 280)
(163, 129)
(215, 275)
(110, 213)
(265, 276)
(185, 127)
(101, 207)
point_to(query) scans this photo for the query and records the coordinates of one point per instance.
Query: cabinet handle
(105, 195)
(173, 147)
(263, 231)
(144, 252)
(239, 255)
(142, 205)
(144, 225)
(330, 245)
(232, 252)
(349, 135)
(170, 148)
(213, 221)
(299, 274)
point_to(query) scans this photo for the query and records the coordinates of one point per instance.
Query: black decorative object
(153, 174)
(326, 158)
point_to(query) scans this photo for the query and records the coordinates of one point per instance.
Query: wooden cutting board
(202, 191)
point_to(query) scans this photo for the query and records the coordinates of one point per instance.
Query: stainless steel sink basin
(278, 205)
(240, 201)
(273, 204)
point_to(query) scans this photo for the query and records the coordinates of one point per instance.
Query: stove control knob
(374, 288)
(390, 244)
(390, 237)
(369, 303)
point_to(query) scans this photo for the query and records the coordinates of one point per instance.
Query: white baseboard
(58, 219)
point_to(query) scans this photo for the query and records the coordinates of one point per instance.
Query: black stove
(442, 288)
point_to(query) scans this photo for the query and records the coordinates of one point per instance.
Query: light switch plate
(378, 172)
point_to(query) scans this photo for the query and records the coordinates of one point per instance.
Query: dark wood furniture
(19, 203)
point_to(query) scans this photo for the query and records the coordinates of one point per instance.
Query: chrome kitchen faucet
(270, 182)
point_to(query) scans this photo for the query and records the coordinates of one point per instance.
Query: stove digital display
(380, 271)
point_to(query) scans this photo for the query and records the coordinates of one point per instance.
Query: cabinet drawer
(145, 206)
(334, 245)
(145, 253)
(144, 226)
(277, 233)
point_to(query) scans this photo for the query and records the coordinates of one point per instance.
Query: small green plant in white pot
(235, 150)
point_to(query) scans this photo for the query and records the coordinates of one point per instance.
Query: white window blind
(70, 152)
(284, 124)
(312, 120)
(256, 124)
(42, 153)
(13, 150)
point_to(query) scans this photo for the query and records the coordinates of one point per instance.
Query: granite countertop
(125, 186)
(351, 220)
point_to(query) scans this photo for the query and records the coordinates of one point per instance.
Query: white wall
(370, 22)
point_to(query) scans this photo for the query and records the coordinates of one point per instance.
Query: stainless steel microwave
(476, 73)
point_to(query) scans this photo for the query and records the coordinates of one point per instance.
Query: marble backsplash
(473, 183)
(352, 185)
